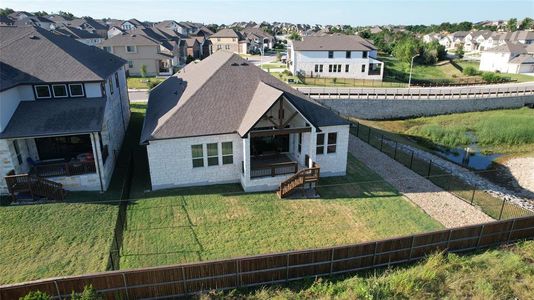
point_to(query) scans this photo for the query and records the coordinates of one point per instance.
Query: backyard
(206, 223)
(143, 82)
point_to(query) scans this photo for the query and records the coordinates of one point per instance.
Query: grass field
(442, 71)
(476, 64)
(142, 83)
(48, 240)
(504, 273)
(206, 223)
(501, 131)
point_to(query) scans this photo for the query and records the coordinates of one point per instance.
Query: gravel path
(523, 171)
(440, 205)
(518, 198)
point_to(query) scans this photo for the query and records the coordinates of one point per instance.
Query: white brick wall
(335, 164)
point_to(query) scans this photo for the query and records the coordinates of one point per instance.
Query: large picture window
(213, 154)
(42, 92)
(227, 153)
(198, 156)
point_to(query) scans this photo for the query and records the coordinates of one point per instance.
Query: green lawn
(504, 273)
(205, 223)
(442, 71)
(273, 66)
(476, 64)
(142, 83)
(502, 131)
(46, 240)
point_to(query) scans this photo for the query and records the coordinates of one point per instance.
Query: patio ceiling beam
(259, 133)
(289, 120)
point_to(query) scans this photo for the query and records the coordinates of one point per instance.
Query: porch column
(313, 146)
(97, 153)
(246, 157)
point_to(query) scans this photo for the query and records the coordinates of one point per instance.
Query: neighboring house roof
(76, 33)
(227, 33)
(33, 20)
(5, 20)
(509, 47)
(219, 95)
(204, 31)
(459, 34)
(190, 42)
(522, 59)
(257, 32)
(89, 21)
(33, 55)
(130, 39)
(58, 18)
(333, 42)
(56, 117)
(530, 49)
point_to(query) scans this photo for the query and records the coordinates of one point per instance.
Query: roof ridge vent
(244, 64)
(235, 64)
(33, 37)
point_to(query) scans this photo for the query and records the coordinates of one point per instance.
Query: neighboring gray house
(507, 58)
(82, 36)
(224, 120)
(63, 111)
(91, 25)
(338, 56)
(258, 38)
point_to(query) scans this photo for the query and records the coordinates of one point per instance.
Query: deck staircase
(302, 177)
(33, 185)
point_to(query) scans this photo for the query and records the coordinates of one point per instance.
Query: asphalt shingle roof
(32, 55)
(333, 43)
(215, 96)
(56, 117)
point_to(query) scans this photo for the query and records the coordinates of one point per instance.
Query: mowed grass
(441, 71)
(214, 222)
(476, 65)
(502, 131)
(504, 273)
(142, 83)
(47, 240)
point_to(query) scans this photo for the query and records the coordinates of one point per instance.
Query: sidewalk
(439, 204)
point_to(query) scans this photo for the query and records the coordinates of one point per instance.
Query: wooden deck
(272, 165)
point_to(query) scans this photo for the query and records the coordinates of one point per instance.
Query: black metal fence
(494, 207)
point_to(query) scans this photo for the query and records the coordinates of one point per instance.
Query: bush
(492, 77)
(287, 73)
(89, 293)
(142, 70)
(470, 71)
(152, 84)
(37, 295)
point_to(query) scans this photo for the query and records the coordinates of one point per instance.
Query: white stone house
(223, 120)
(507, 58)
(63, 110)
(339, 56)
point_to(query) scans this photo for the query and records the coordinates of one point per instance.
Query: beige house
(228, 40)
(139, 51)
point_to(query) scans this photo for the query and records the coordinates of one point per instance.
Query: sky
(355, 12)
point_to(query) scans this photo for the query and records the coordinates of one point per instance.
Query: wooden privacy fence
(187, 279)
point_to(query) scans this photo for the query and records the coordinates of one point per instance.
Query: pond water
(469, 156)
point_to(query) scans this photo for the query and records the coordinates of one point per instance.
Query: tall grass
(447, 136)
(507, 130)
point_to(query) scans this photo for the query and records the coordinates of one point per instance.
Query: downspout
(97, 160)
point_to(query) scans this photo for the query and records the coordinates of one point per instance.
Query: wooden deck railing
(64, 169)
(33, 185)
(274, 169)
(300, 178)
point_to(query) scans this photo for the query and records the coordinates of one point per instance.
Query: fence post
(480, 235)
(57, 290)
(332, 262)
(502, 208)
(411, 160)
(287, 267)
(510, 232)
(125, 286)
(237, 274)
(473, 196)
(429, 168)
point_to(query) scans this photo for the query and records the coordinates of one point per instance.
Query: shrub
(151, 84)
(89, 293)
(37, 295)
(491, 77)
(470, 71)
(142, 70)
(287, 73)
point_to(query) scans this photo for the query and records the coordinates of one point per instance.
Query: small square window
(42, 91)
(76, 90)
(131, 49)
(60, 90)
(330, 54)
(107, 48)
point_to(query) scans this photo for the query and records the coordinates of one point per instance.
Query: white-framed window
(348, 54)
(227, 47)
(130, 64)
(364, 54)
(42, 92)
(76, 90)
(197, 153)
(60, 90)
(227, 153)
(319, 149)
(326, 141)
(330, 54)
(331, 142)
(131, 49)
(213, 154)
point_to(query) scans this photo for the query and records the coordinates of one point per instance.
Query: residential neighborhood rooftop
(333, 42)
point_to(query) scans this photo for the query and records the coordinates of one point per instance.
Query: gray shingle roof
(214, 96)
(130, 39)
(56, 117)
(227, 33)
(509, 47)
(86, 20)
(332, 43)
(32, 55)
(76, 33)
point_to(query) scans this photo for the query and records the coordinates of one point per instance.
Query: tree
(433, 52)
(142, 70)
(294, 36)
(66, 15)
(460, 50)
(406, 48)
(41, 13)
(89, 293)
(6, 11)
(512, 24)
(527, 23)
(37, 295)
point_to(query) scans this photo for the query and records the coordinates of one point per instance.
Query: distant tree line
(67, 15)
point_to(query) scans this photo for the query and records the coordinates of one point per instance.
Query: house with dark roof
(63, 112)
(91, 25)
(335, 56)
(229, 40)
(224, 120)
(258, 38)
(34, 21)
(82, 36)
(144, 47)
(507, 58)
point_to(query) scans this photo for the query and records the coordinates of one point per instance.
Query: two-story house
(228, 40)
(82, 36)
(91, 25)
(507, 58)
(64, 111)
(258, 38)
(337, 56)
(141, 51)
